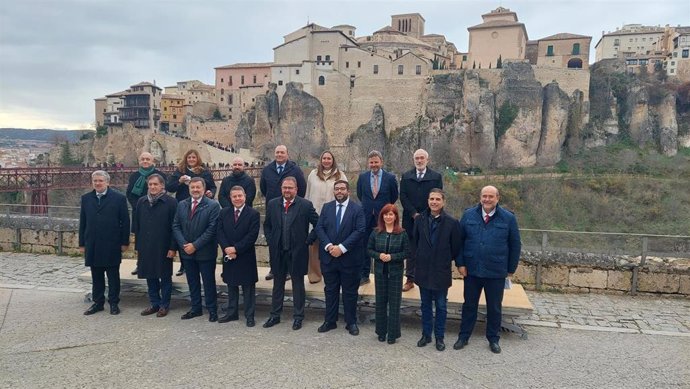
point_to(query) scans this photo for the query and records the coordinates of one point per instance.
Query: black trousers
(248, 299)
(280, 273)
(335, 277)
(493, 292)
(98, 284)
(207, 271)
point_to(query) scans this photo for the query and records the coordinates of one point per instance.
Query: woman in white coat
(319, 192)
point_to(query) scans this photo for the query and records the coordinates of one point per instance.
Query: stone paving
(655, 315)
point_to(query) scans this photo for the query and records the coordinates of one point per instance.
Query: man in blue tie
(340, 230)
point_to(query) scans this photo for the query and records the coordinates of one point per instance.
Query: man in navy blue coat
(103, 236)
(340, 230)
(194, 230)
(491, 251)
(375, 188)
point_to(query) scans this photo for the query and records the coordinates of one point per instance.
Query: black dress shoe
(326, 326)
(180, 272)
(460, 344)
(296, 325)
(251, 323)
(382, 338)
(440, 346)
(135, 271)
(495, 348)
(269, 276)
(93, 309)
(271, 322)
(391, 341)
(352, 329)
(213, 317)
(424, 341)
(228, 318)
(191, 315)
(114, 309)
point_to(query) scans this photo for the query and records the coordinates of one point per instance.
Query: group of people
(313, 228)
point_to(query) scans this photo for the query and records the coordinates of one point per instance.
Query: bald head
(237, 166)
(281, 154)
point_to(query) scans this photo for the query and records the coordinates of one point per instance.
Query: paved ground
(47, 342)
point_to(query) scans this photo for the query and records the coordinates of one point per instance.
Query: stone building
(564, 50)
(141, 106)
(499, 35)
(678, 58)
(173, 113)
(629, 41)
(238, 85)
(100, 108)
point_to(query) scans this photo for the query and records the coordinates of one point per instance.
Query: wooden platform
(515, 300)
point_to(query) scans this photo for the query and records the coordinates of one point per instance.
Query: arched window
(575, 63)
(576, 49)
(322, 80)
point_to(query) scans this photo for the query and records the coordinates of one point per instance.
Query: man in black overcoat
(103, 236)
(238, 178)
(152, 225)
(287, 232)
(238, 229)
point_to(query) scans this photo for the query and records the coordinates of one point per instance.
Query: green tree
(499, 63)
(101, 131)
(66, 156)
(217, 115)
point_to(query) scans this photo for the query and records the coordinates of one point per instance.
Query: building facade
(141, 106)
(237, 85)
(564, 51)
(173, 113)
(499, 35)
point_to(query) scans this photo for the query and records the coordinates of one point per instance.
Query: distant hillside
(44, 135)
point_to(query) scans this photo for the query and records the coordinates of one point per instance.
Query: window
(616, 42)
(673, 63)
(464, 58)
(174, 116)
(400, 69)
(322, 80)
(242, 80)
(221, 80)
(352, 81)
(318, 58)
(297, 72)
(328, 58)
(280, 82)
(230, 99)
(230, 81)
(222, 91)
(686, 53)
(576, 49)
(549, 51)
(254, 79)
(165, 109)
(347, 65)
(418, 70)
(376, 69)
(675, 54)
(359, 64)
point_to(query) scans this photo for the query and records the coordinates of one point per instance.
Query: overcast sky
(57, 56)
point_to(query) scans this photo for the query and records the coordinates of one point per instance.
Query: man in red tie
(491, 244)
(287, 233)
(194, 230)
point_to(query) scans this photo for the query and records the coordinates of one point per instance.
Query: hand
(209, 194)
(463, 271)
(171, 254)
(124, 248)
(82, 249)
(183, 179)
(335, 251)
(189, 248)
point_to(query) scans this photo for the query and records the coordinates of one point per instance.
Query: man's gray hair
(101, 173)
(375, 153)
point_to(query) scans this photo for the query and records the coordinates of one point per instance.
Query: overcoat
(103, 228)
(433, 260)
(242, 236)
(152, 226)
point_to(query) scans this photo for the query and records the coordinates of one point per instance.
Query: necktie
(280, 169)
(486, 219)
(375, 185)
(237, 215)
(287, 205)
(194, 205)
(98, 196)
(419, 176)
(338, 215)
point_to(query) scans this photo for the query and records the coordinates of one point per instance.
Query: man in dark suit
(287, 233)
(238, 178)
(272, 177)
(434, 246)
(137, 187)
(375, 188)
(194, 230)
(341, 230)
(415, 185)
(238, 228)
(491, 252)
(103, 236)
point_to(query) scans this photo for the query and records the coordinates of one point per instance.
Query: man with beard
(340, 230)
(238, 178)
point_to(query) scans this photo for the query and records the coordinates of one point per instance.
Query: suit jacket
(152, 226)
(245, 181)
(242, 236)
(388, 194)
(200, 229)
(300, 215)
(433, 260)
(103, 228)
(490, 250)
(351, 234)
(414, 195)
(270, 180)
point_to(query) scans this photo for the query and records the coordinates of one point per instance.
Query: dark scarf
(140, 186)
(154, 199)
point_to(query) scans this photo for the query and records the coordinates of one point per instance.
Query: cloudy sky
(56, 56)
